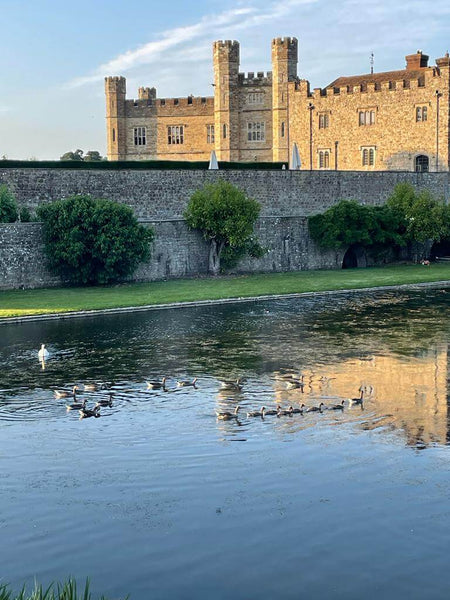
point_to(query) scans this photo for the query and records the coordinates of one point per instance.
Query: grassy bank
(61, 591)
(44, 301)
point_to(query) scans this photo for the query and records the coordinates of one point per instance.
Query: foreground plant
(60, 591)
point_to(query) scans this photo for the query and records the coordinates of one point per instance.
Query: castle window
(255, 98)
(224, 132)
(366, 117)
(421, 113)
(368, 156)
(283, 127)
(324, 120)
(256, 132)
(422, 164)
(175, 134)
(140, 138)
(114, 135)
(210, 134)
(324, 159)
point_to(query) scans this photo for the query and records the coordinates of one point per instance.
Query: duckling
(285, 413)
(257, 413)
(76, 405)
(298, 411)
(359, 400)
(105, 402)
(65, 394)
(186, 383)
(235, 385)
(315, 408)
(85, 413)
(339, 406)
(43, 353)
(155, 384)
(227, 416)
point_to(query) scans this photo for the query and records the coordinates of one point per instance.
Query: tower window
(324, 121)
(283, 128)
(324, 159)
(255, 98)
(113, 135)
(368, 156)
(175, 134)
(140, 136)
(421, 113)
(256, 132)
(224, 132)
(210, 134)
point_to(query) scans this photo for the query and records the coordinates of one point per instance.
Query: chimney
(416, 61)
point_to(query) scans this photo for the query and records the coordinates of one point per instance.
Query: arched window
(321, 160)
(422, 164)
(371, 157)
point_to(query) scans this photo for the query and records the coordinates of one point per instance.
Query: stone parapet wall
(160, 195)
(177, 252)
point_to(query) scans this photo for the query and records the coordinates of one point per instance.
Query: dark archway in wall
(441, 248)
(354, 257)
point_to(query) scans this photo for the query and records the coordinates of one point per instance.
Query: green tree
(226, 218)
(91, 241)
(92, 156)
(8, 206)
(76, 156)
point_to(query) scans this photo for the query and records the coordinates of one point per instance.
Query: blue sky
(54, 55)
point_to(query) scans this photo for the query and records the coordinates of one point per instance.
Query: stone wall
(177, 252)
(162, 195)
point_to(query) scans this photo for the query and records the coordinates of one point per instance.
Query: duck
(359, 400)
(271, 411)
(104, 402)
(76, 405)
(156, 384)
(298, 411)
(285, 413)
(295, 383)
(235, 385)
(315, 408)
(85, 413)
(65, 393)
(187, 383)
(90, 387)
(257, 413)
(226, 416)
(43, 353)
(339, 406)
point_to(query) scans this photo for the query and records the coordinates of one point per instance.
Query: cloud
(237, 19)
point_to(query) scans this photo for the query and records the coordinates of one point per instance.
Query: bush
(8, 206)
(226, 217)
(91, 241)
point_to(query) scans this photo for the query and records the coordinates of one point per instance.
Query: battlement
(285, 42)
(146, 93)
(260, 78)
(116, 84)
(226, 49)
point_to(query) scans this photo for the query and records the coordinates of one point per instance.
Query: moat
(159, 499)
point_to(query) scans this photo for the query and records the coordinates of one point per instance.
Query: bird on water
(43, 353)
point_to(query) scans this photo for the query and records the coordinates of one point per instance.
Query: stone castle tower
(399, 120)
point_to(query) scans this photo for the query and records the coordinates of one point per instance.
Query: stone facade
(397, 120)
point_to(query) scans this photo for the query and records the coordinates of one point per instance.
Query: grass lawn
(57, 300)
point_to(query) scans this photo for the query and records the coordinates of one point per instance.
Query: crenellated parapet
(259, 78)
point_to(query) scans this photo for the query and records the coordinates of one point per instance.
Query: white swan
(43, 353)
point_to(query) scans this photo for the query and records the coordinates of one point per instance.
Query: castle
(392, 121)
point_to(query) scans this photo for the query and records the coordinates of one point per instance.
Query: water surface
(159, 499)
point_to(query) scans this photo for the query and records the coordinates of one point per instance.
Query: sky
(54, 55)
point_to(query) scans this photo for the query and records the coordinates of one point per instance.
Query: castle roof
(378, 78)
